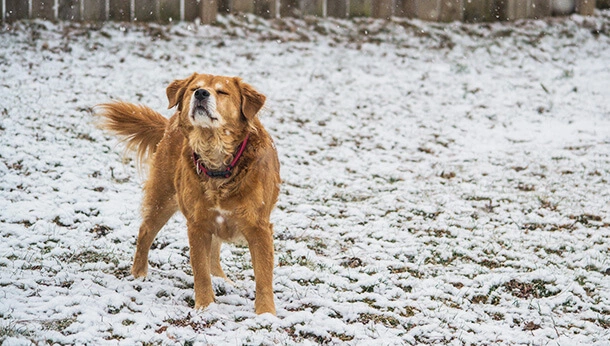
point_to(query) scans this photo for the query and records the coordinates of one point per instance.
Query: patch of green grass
(162, 294)
(13, 330)
(318, 339)
(602, 321)
(100, 231)
(407, 311)
(438, 258)
(388, 321)
(586, 286)
(342, 337)
(551, 227)
(311, 282)
(303, 307)
(59, 324)
(352, 262)
(406, 289)
(426, 215)
(491, 264)
(317, 245)
(479, 299)
(190, 301)
(91, 256)
(152, 343)
(534, 289)
(398, 270)
(288, 259)
(368, 288)
(113, 310)
(497, 316)
(369, 302)
(113, 336)
(121, 272)
(558, 252)
(441, 233)
(31, 266)
(187, 321)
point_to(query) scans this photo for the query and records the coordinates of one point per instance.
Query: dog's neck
(215, 148)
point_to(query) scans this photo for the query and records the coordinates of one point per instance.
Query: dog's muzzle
(201, 94)
(200, 104)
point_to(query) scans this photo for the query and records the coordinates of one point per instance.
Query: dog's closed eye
(222, 92)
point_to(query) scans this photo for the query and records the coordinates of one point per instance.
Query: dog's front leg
(200, 241)
(260, 242)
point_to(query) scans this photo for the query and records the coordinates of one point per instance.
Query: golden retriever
(213, 160)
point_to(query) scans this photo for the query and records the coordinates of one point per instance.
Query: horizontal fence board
(519, 9)
(169, 10)
(585, 7)
(266, 8)
(383, 9)
(404, 8)
(476, 11)
(540, 9)
(312, 7)
(289, 8)
(246, 6)
(69, 10)
(16, 9)
(428, 9)
(451, 10)
(506, 10)
(206, 11)
(145, 11)
(43, 9)
(94, 10)
(503, 10)
(225, 6)
(191, 10)
(119, 10)
(336, 8)
(360, 8)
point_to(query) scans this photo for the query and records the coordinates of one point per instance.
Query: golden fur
(216, 209)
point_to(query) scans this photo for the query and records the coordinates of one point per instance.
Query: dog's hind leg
(216, 268)
(159, 205)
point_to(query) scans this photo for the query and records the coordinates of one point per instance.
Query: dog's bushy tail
(140, 127)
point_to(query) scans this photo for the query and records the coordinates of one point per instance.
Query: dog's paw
(201, 305)
(139, 271)
(264, 306)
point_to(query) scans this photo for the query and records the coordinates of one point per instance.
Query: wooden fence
(207, 10)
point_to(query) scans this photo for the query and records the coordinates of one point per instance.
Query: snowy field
(443, 184)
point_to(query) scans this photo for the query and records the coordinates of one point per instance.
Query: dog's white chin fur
(203, 120)
(207, 118)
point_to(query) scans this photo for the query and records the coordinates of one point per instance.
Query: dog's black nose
(201, 94)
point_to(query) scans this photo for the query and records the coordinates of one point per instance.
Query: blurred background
(206, 11)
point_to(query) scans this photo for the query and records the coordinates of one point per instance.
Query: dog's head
(214, 102)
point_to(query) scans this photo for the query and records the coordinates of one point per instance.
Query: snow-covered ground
(442, 184)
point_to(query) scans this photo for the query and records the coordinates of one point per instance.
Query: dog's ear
(251, 100)
(175, 91)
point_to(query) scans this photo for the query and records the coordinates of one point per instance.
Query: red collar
(199, 167)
